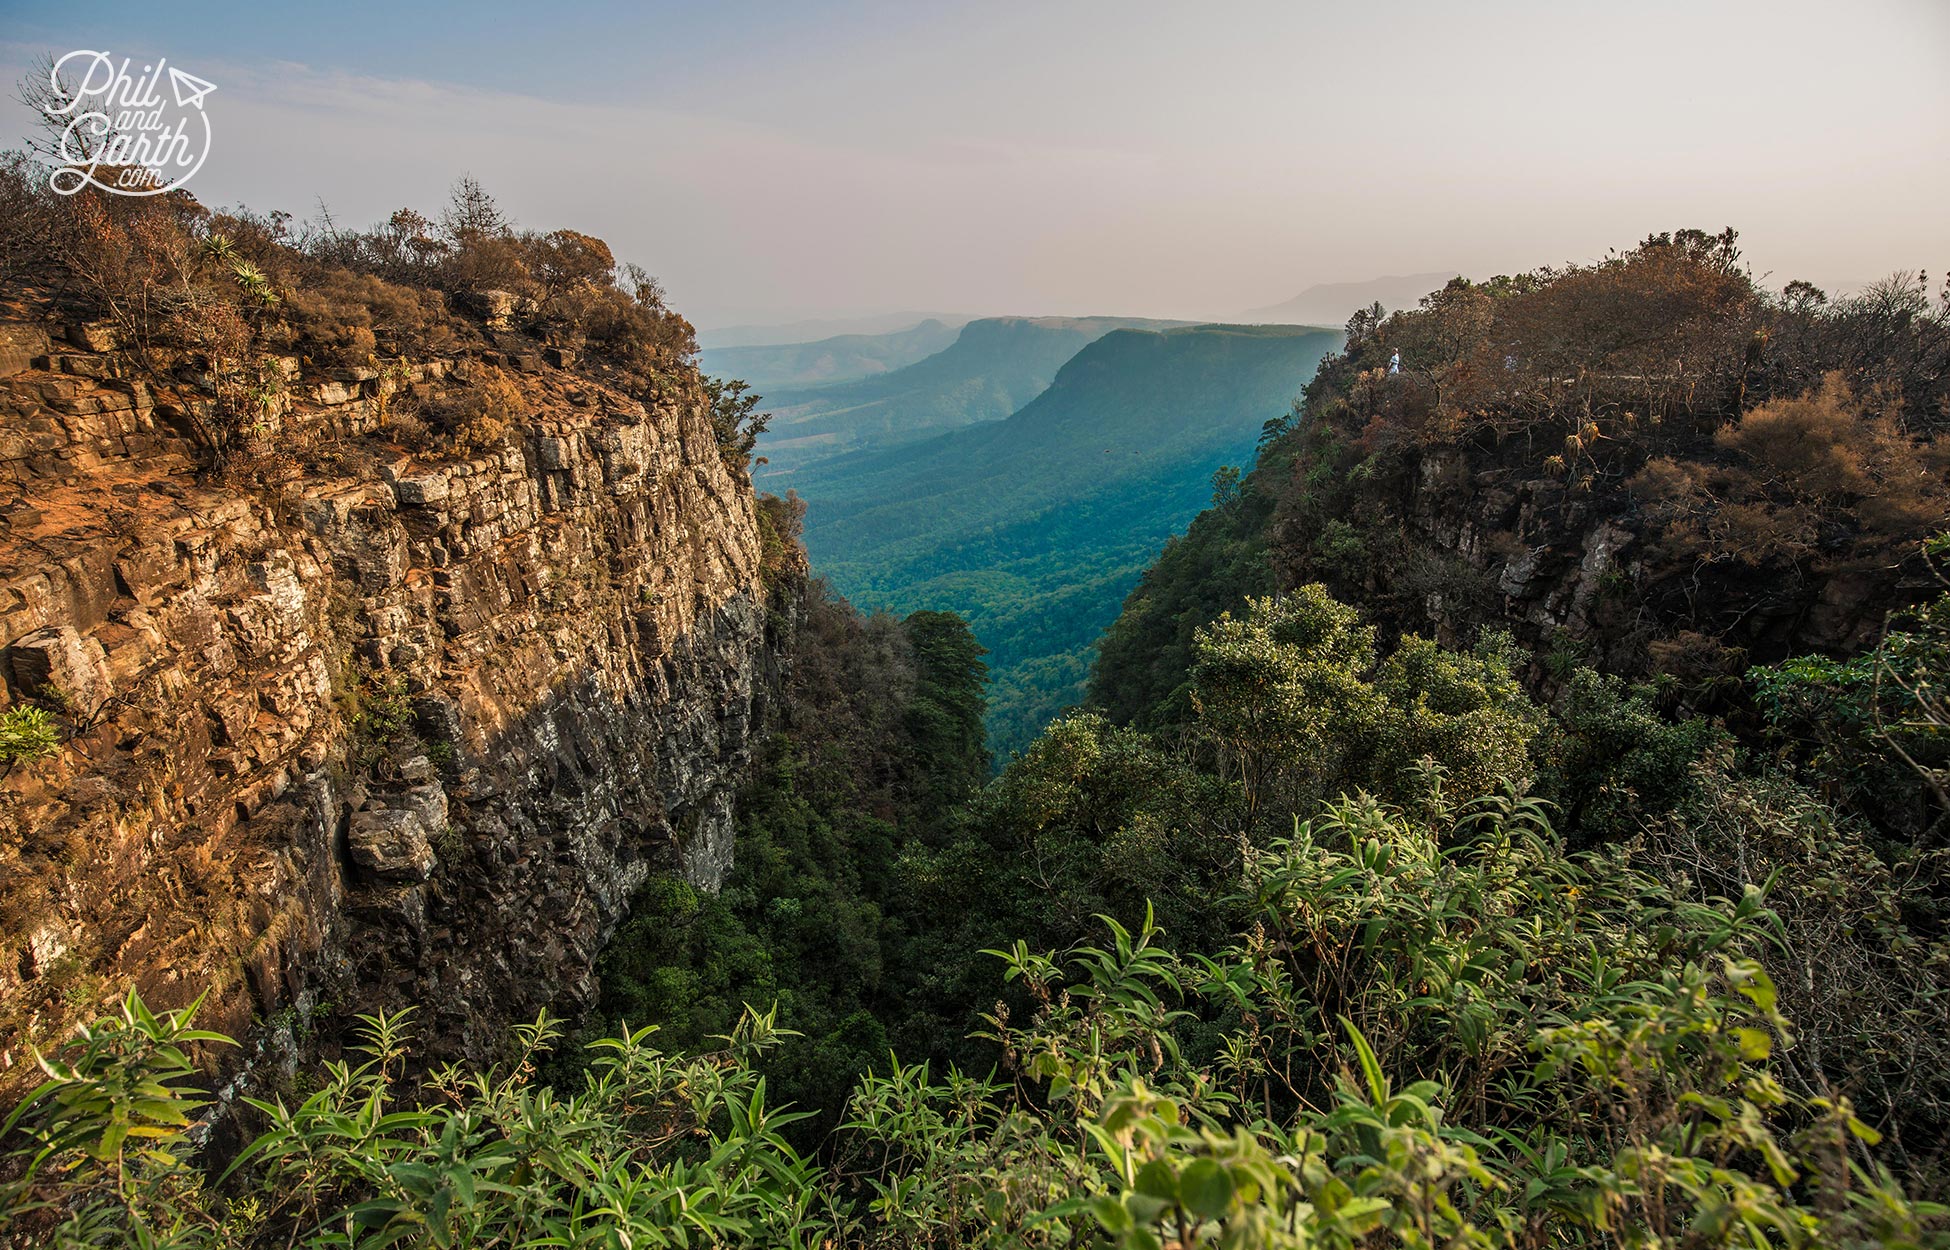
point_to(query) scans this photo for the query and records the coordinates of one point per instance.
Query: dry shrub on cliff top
(1655, 348)
(346, 318)
(1794, 477)
(566, 263)
(338, 298)
(1663, 326)
(568, 285)
(635, 330)
(120, 258)
(480, 413)
(1669, 308)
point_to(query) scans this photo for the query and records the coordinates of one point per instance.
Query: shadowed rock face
(356, 726)
(1477, 538)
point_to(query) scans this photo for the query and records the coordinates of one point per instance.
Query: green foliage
(1433, 1030)
(1612, 762)
(684, 961)
(1861, 954)
(944, 722)
(735, 419)
(1464, 710)
(1299, 706)
(1484, 1044)
(27, 733)
(1034, 528)
(1285, 687)
(1093, 818)
(1225, 485)
(882, 738)
(780, 522)
(106, 1156)
(1873, 725)
(656, 1151)
(383, 722)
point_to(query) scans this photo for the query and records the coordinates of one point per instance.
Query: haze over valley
(879, 626)
(1025, 476)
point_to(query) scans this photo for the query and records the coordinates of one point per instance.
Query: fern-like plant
(27, 733)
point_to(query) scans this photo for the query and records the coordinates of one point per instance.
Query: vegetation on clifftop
(218, 306)
(1319, 931)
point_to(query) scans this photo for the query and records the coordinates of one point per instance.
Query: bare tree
(68, 132)
(472, 215)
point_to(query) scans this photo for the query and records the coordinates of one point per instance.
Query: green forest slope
(1035, 527)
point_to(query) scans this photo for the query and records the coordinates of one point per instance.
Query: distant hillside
(1331, 303)
(994, 367)
(842, 358)
(1035, 527)
(812, 330)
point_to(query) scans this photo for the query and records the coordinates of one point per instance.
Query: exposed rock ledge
(574, 623)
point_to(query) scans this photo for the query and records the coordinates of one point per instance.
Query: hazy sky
(774, 160)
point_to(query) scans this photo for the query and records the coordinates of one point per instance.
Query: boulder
(19, 345)
(427, 802)
(391, 844)
(424, 488)
(150, 574)
(495, 307)
(94, 336)
(58, 666)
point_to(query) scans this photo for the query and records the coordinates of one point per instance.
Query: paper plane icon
(189, 89)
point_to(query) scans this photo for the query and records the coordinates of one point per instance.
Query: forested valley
(1513, 814)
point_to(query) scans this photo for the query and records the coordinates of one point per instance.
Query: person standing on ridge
(1395, 363)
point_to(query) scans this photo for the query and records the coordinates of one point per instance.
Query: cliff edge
(349, 725)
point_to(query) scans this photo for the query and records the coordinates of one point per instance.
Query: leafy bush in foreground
(657, 1151)
(1435, 1030)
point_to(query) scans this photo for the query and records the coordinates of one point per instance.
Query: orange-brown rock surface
(347, 724)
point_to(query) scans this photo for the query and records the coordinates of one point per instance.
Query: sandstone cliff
(349, 726)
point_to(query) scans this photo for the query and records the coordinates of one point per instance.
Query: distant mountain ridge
(813, 329)
(994, 366)
(1332, 303)
(1036, 526)
(842, 358)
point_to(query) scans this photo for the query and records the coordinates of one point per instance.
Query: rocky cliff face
(356, 727)
(1457, 538)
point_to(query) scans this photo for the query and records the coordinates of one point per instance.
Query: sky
(780, 161)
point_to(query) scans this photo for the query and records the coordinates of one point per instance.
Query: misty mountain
(1035, 527)
(815, 328)
(841, 358)
(995, 366)
(1331, 303)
